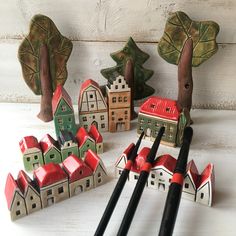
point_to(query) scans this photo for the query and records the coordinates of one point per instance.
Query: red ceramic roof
(47, 142)
(76, 168)
(81, 136)
(207, 174)
(49, 174)
(166, 161)
(92, 160)
(193, 172)
(23, 181)
(161, 107)
(126, 152)
(10, 188)
(95, 134)
(59, 93)
(28, 142)
(140, 159)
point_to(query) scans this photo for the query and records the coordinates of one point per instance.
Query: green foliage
(179, 27)
(43, 31)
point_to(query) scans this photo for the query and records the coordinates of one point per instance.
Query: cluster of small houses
(53, 183)
(197, 187)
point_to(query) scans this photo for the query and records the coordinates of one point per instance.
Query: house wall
(118, 99)
(55, 159)
(32, 201)
(67, 151)
(86, 146)
(99, 148)
(18, 207)
(204, 194)
(190, 192)
(75, 186)
(35, 160)
(99, 176)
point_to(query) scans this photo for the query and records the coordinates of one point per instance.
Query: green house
(68, 144)
(63, 112)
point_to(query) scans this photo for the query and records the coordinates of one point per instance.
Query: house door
(78, 189)
(161, 187)
(148, 132)
(120, 126)
(50, 201)
(36, 165)
(95, 123)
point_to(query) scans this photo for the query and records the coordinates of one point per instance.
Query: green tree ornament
(43, 55)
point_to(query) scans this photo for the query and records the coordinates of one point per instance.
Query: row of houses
(37, 153)
(53, 183)
(197, 187)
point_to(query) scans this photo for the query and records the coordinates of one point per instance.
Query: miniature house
(92, 106)
(15, 199)
(119, 102)
(53, 184)
(68, 144)
(80, 175)
(85, 142)
(32, 154)
(63, 112)
(157, 112)
(30, 192)
(97, 137)
(99, 171)
(50, 149)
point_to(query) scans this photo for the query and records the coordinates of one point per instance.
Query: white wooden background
(100, 27)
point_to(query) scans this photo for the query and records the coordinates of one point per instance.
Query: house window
(84, 118)
(186, 185)
(68, 144)
(152, 182)
(113, 118)
(87, 183)
(69, 119)
(60, 121)
(102, 126)
(18, 203)
(81, 172)
(99, 174)
(99, 180)
(31, 198)
(120, 172)
(167, 109)
(171, 128)
(86, 126)
(141, 121)
(126, 112)
(35, 157)
(123, 86)
(63, 108)
(28, 158)
(116, 87)
(93, 117)
(125, 99)
(157, 124)
(92, 105)
(18, 212)
(119, 99)
(119, 80)
(52, 156)
(102, 117)
(152, 106)
(33, 205)
(69, 153)
(49, 192)
(161, 173)
(68, 126)
(135, 176)
(202, 195)
(170, 136)
(169, 180)
(91, 96)
(60, 190)
(149, 122)
(141, 128)
(153, 176)
(126, 117)
(114, 99)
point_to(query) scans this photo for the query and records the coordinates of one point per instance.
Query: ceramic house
(53, 184)
(50, 149)
(32, 154)
(85, 142)
(15, 199)
(97, 137)
(119, 103)
(204, 194)
(80, 175)
(162, 172)
(30, 192)
(156, 112)
(99, 171)
(63, 112)
(92, 106)
(68, 144)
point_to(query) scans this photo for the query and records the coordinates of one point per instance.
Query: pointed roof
(65, 136)
(95, 134)
(47, 142)
(60, 93)
(206, 175)
(125, 153)
(192, 172)
(161, 107)
(92, 160)
(24, 181)
(49, 174)
(166, 161)
(76, 168)
(27, 143)
(140, 159)
(82, 135)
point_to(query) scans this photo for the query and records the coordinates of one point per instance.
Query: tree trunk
(185, 80)
(45, 113)
(129, 77)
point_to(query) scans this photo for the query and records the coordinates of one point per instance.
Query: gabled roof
(92, 160)
(10, 188)
(65, 136)
(60, 93)
(95, 134)
(206, 175)
(166, 161)
(161, 107)
(82, 135)
(140, 159)
(47, 142)
(76, 168)
(49, 174)
(24, 181)
(192, 172)
(126, 153)
(27, 143)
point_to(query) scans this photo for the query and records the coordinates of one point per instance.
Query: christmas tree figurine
(129, 64)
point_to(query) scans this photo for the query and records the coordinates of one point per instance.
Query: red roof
(10, 188)
(92, 160)
(49, 174)
(207, 174)
(126, 153)
(95, 134)
(140, 159)
(161, 107)
(166, 161)
(23, 181)
(81, 136)
(28, 142)
(76, 168)
(60, 93)
(85, 85)
(47, 142)
(192, 171)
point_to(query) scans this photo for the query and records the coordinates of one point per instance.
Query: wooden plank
(214, 81)
(114, 20)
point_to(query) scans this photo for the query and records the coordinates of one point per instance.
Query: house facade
(92, 106)
(97, 137)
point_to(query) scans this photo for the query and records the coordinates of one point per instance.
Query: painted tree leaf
(178, 29)
(43, 31)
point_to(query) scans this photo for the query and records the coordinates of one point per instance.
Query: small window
(18, 212)
(87, 145)
(86, 126)
(152, 183)
(60, 190)
(87, 183)
(102, 117)
(52, 156)
(141, 121)
(119, 99)
(161, 173)
(125, 99)
(123, 86)
(157, 124)
(84, 118)
(69, 119)
(68, 126)
(169, 180)
(91, 96)
(126, 117)
(167, 109)
(33, 205)
(202, 195)
(126, 112)
(69, 153)
(113, 118)
(153, 176)
(63, 108)
(99, 180)
(120, 172)
(186, 185)
(92, 105)
(35, 157)
(114, 99)
(170, 136)
(60, 121)
(102, 126)
(116, 87)
(28, 158)
(135, 176)
(68, 144)
(152, 106)
(49, 192)
(149, 122)
(93, 117)
(119, 80)
(99, 174)
(31, 198)
(81, 172)
(18, 203)
(113, 113)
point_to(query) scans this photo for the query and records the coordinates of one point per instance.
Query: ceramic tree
(187, 43)
(130, 62)
(43, 55)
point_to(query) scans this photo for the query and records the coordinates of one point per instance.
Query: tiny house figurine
(156, 112)
(43, 55)
(187, 43)
(130, 62)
